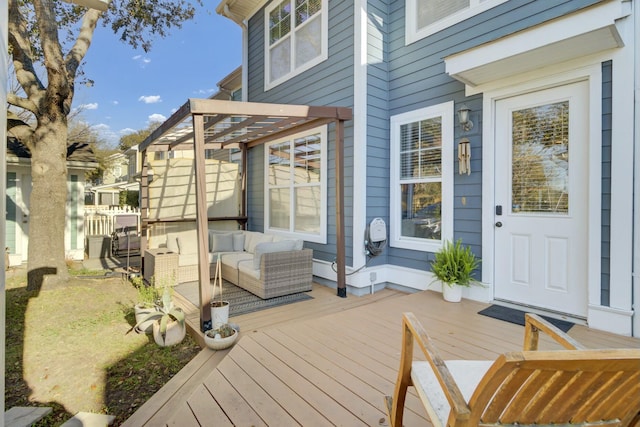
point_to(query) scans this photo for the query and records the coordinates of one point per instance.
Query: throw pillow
(188, 244)
(238, 242)
(222, 243)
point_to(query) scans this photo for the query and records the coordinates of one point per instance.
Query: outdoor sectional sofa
(265, 265)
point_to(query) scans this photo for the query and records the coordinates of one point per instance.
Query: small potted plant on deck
(453, 266)
(220, 337)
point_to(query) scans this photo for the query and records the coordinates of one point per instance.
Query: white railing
(101, 220)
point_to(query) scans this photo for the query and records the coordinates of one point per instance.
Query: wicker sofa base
(281, 273)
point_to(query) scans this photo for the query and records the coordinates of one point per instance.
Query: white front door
(541, 191)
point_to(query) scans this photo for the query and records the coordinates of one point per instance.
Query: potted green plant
(168, 321)
(453, 266)
(148, 301)
(220, 337)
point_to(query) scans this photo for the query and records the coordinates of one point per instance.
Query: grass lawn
(68, 348)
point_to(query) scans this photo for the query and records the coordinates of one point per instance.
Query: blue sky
(132, 87)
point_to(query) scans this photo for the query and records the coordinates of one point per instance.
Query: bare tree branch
(57, 78)
(21, 52)
(21, 102)
(79, 49)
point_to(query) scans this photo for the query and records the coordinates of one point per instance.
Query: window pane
(279, 208)
(305, 9)
(280, 21)
(308, 41)
(421, 210)
(421, 149)
(431, 11)
(307, 209)
(279, 162)
(540, 170)
(280, 57)
(307, 159)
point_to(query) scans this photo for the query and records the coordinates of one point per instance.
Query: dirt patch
(68, 347)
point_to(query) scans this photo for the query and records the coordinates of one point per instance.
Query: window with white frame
(295, 38)
(422, 178)
(425, 17)
(295, 186)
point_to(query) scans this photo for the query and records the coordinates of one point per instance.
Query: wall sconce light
(463, 117)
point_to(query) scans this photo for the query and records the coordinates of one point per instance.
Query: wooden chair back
(599, 387)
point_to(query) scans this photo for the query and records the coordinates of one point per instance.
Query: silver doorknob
(498, 224)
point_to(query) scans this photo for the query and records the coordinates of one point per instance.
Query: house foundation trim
(610, 319)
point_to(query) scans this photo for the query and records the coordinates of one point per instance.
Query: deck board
(330, 360)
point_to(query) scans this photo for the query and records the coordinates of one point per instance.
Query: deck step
(88, 419)
(23, 416)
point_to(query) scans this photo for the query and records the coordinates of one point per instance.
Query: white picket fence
(101, 220)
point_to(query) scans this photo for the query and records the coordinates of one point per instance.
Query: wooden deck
(329, 361)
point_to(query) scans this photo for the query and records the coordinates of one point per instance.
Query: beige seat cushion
(467, 375)
(232, 259)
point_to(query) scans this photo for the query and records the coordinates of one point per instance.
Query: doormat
(240, 300)
(512, 315)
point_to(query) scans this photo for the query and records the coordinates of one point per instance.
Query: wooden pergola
(214, 124)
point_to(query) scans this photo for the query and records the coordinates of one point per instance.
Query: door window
(540, 163)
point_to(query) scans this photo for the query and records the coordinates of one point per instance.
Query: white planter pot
(219, 313)
(175, 334)
(451, 293)
(220, 343)
(140, 313)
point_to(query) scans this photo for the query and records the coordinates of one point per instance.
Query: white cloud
(107, 134)
(204, 91)
(126, 131)
(150, 99)
(142, 59)
(90, 106)
(115, 102)
(157, 118)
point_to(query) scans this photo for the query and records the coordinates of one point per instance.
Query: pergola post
(340, 239)
(144, 206)
(202, 222)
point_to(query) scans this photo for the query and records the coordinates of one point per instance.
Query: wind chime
(464, 156)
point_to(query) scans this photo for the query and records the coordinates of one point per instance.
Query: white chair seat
(467, 375)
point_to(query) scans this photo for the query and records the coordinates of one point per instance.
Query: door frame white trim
(592, 73)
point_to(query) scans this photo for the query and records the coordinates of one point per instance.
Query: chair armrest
(414, 330)
(533, 324)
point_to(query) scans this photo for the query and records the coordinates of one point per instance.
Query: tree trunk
(48, 203)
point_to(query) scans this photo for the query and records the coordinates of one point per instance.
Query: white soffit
(242, 9)
(583, 33)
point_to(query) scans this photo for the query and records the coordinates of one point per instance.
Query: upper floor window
(296, 186)
(425, 17)
(422, 178)
(295, 38)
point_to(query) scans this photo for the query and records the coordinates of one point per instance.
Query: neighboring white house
(80, 159)
(121, 174)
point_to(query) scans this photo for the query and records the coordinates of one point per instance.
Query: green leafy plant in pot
(454, 265)
(220, 337)
(168, 321)
(148, 301)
